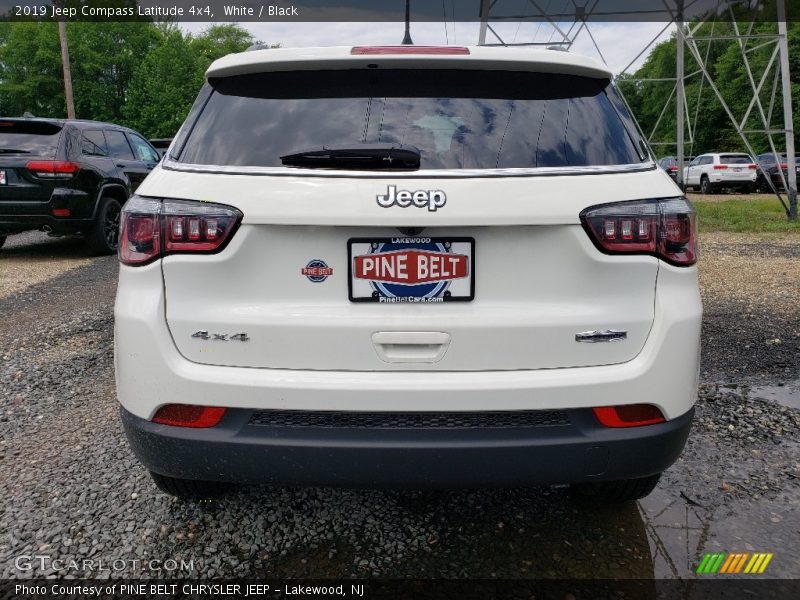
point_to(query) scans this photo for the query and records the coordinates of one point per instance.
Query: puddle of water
(680, 534)
(786, 395)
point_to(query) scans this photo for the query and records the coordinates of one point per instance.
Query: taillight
(369, 50)
(752, 167)
(630, 415)
(720, 167)
(673, 169)
(53, 169)
(189, 415)
(664, 228)
(152, 229)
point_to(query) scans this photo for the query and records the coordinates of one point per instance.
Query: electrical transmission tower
(566, 20)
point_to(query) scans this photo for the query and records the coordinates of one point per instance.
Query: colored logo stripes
(740, 562)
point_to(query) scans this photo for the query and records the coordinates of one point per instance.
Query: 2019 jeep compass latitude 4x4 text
(408, 267)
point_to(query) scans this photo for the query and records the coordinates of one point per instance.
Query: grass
(742, 214)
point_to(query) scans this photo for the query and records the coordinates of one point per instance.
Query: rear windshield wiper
(13, 151)
(357, 156)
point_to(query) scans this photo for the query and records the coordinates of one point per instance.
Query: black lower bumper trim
(238, 451)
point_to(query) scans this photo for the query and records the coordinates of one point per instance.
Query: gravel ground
(751, 327)
(30, 258)
(72, 489)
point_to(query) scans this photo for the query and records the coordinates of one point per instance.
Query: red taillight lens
(189, 415)
(673, 169)
(152, 229)
(366, 50)
(631, 415)
(720, 167)
(53, 169)
(752, 167)
(664, 228)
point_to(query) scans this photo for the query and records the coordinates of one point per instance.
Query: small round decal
(317, 270)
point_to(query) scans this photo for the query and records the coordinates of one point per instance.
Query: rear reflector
(189, 415)
(630, 415)
(664, 228)
(151, 229)
(61, 212)
(52, 169)
(364, 50)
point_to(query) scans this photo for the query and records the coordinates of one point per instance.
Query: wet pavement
(72, 489)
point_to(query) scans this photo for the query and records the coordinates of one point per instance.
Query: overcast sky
(619, 43)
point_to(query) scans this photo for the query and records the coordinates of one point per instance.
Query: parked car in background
(768, 170)
(69, 177)
(408, 267)
(670, 165)
(161, 144)
(711, 173)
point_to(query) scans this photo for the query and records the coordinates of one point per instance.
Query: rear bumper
(32, 214)
(335, 453)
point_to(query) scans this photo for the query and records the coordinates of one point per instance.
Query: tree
(166, 83)
(105, 57)
(30, 70)
(163, 87)
(713, 130)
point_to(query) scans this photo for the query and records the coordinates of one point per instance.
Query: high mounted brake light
(152, 229)
(664, 228)
(370, 50)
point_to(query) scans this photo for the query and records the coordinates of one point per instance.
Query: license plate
(3, 179)
(737, 170)
(416, 270)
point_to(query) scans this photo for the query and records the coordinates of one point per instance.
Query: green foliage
(30, 70)
(136, 73)
(743, 214)
(103, 59)
(163, 88)
(713, 131)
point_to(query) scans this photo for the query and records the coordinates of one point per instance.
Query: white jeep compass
(408, 266)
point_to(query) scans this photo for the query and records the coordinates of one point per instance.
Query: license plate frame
(459, 288)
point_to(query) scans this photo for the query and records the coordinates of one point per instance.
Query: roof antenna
(407, 41)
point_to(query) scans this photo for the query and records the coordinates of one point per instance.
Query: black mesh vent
(436, 420)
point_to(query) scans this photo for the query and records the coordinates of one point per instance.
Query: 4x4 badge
(433, 199)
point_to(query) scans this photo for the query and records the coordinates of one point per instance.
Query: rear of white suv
(408, 267)
(711, 173)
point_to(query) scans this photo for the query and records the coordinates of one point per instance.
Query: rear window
(457, 119)
(35, 137)
(734, 159)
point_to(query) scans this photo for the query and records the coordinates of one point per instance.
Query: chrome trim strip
(172, 165)
(601, 335)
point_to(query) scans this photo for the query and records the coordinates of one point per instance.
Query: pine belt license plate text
(411, 269)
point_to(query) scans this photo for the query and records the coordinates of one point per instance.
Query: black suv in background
(670, 165)
(69, 177)
(769, 168)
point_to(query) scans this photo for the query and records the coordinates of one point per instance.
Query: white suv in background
(710, 173)
(408, 266)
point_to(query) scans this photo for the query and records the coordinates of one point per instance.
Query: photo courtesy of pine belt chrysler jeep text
(408, 267)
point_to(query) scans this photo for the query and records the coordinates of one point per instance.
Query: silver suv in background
(710, 173)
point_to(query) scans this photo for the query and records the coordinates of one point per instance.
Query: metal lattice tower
(571, 19)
